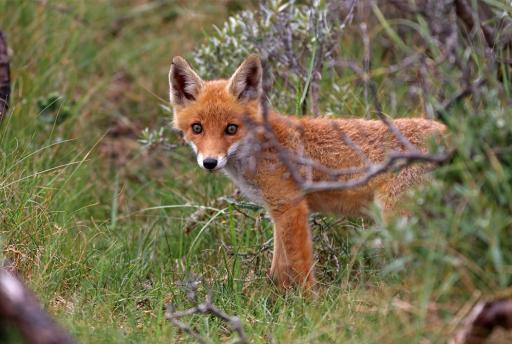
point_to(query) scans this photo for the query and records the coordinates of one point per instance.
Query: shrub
(291, 38)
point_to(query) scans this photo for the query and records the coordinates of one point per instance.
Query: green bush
(460, 231)
(290, 38)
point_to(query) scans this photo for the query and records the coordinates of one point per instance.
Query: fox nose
(209, 163)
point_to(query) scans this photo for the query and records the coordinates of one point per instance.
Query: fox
(222, 121)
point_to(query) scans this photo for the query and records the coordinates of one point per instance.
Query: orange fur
(262, 176)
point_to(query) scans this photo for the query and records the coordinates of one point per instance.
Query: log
(20, 309)
(5, 78)
(484, 318)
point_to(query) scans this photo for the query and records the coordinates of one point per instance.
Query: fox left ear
(184, 83)
(246, 84)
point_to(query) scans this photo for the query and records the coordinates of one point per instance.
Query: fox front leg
(292, 261)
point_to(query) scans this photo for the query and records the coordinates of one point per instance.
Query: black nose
(209, 163)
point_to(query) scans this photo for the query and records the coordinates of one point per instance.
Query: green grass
(102, 241)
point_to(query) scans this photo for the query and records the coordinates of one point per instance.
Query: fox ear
(246, 84)
(184, 83)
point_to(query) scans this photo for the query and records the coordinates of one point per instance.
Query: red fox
(218, 117)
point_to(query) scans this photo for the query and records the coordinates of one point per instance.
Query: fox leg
(292, 262)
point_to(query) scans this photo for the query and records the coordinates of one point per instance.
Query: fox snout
(211, 163)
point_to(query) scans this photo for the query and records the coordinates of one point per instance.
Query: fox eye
(231, 129)
(197, 128)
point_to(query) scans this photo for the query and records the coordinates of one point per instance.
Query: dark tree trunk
(20, 310)
(5, 80)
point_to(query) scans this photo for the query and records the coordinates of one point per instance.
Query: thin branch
(206, 307)
(395, 161)
(267, 245)
(465, 92)
(170, 315)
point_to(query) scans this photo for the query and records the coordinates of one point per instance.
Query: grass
(101, 230)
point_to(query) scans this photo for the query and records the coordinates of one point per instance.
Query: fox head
(212, 114)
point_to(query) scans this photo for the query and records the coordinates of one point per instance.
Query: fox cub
(220, 118)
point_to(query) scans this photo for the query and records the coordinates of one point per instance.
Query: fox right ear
(246, 82)
(184, 83)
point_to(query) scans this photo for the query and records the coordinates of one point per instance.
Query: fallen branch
(20, 308)
(483, 319)
(206, 307)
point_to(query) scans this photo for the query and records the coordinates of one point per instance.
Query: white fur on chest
(236, 170)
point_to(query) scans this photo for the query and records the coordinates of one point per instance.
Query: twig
(378, 107)
(206, 307)
(348, 141)
(251, 254)
(395, 161)
(465, 92)
(173, 318)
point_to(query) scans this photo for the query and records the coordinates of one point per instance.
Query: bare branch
(395, 161)
(465, 92)
(358, 175)
(206, 307)
(267, 245)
